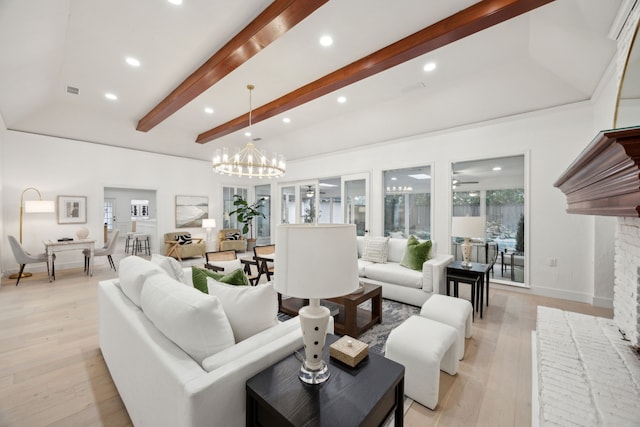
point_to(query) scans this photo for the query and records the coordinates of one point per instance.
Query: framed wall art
(72, 209)
(191, 210)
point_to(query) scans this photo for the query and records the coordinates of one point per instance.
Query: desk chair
(106, 250)
(23, 258)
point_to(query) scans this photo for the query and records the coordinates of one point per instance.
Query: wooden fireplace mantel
(605, 178)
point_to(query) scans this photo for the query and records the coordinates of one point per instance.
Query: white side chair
(106, 250)
(23, 257)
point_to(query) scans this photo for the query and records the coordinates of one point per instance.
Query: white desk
(52, 246)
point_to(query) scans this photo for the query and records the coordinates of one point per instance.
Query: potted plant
(245, 214)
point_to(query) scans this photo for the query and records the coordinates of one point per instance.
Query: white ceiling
(551, 56)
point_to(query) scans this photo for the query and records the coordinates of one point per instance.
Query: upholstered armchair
(231, 239)
(180, 244)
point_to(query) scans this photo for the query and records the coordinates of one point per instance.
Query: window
(505, 208)
(407, 202)
(494, 190)
(108, 213)
(263, 225)
(330, 201)
(230, 221)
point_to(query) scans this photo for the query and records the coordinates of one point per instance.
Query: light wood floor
(52, 372)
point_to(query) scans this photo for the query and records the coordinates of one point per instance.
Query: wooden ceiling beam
(469, 21)
(278, 18)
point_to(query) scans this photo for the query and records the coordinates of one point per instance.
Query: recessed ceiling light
(393, 178)
(176, 2)
(208, 110)
(286, 120)
(420, 176)
(342, 99)
(247, 133)
(110, 96)
(326, 40)
(132, 61)
(497, 168)
(429, 66)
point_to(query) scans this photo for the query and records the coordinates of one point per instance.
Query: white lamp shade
(467, 226)
(316, 261)
(208, 223)
(39, 206)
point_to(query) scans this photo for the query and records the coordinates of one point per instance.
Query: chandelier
(249, 161)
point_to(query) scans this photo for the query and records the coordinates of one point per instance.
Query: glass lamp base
(466, 264)
(314, 376)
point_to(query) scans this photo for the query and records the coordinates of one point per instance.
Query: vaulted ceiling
(553, 55)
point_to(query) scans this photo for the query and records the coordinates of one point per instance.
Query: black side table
(362, 396)
(475, 274)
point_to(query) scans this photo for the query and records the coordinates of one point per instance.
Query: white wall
(3, 132)
(58, 166)
(550, 139)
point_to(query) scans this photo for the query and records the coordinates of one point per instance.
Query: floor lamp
(315, 262)
(33, 206)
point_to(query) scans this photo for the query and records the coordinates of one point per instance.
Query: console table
(53, 246)
(362, 396)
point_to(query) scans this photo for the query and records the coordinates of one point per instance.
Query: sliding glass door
(355, 196)
(494, 189)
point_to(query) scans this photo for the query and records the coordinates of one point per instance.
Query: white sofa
(159, 382)
(401, 283)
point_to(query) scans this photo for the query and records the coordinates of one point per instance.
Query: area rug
(393, 313)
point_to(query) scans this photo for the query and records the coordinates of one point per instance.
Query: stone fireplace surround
(587, 369)
(605, 180)
(626, 296)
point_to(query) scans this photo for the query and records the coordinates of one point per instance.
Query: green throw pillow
(199, 278)
(416, 253)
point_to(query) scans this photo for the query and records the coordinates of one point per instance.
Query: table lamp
(209, 224)
(315, 262)
(467, 227)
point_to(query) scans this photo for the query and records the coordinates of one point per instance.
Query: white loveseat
(159, 382)
(400, 283)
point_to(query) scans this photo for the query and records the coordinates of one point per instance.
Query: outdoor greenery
(520, 235)
(514, 196)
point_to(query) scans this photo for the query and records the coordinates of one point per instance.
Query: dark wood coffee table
(351, 320)
(362, 396)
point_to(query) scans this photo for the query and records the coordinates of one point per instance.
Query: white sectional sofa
(400, 283)
(174, 355)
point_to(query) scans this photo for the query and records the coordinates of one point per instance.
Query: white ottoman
(451, 311)
(424, 347)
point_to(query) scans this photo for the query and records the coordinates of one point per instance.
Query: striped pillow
(184, 239)
(376, 249)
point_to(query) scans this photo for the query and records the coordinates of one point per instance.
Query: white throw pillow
(194, 321)
(133, 272)
(228, 266)
(375, 249)
(170, 265)
(250, 309)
